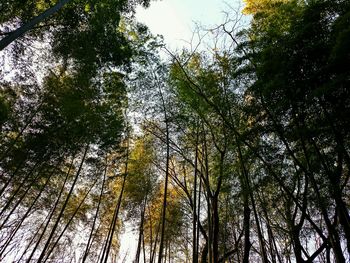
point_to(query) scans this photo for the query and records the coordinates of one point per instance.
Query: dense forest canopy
(235, 152)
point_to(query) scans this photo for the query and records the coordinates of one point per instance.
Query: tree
(292, 65)
(40, 18)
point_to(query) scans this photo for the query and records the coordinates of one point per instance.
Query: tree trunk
(216, 224)
(9, 239)
(246, 227)
(155, 243)
(106, 250)
(30, 25)
(209, 205)
(198, 213)
(14, 207)
(51, 213)
(68, 223)
(48, 241)
(32, 239)
(204, 256)
(139, 243)
(194, 230)
(161, 244)
(87, 249)
(23, 182)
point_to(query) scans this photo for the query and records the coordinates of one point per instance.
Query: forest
(234, 150)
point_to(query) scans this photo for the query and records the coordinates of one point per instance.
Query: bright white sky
(175, 19)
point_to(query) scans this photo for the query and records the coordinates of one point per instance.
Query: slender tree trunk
(252, 199)
(105, 253)
(216, 230)
(14, 207)
(341, 207)
(87, 248)
(155, 242)
(272, 242)
(139, 243)
(12, 176)
(109, 240)
(53, 230)
(209, 206)
(204, 256)
(169, 250)
(143, 248)
(51, 213)
(23, 182)
(24, 217)
(30, 25)
(260, 235)
(32, 239)
(68, 223)
(150, 234)
(246, 226)
(198, 215)
(344, 218)
(194, 230)
(161, 244)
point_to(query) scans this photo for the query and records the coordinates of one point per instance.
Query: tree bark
(9, 239)
(106, 250)
(194, 230)
(30, 25)
(87, 249)
(51, 213)
(68, 223)
(48, 241)
(161, 244)
(139, 243)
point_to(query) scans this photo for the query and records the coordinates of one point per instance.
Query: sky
(175, 19)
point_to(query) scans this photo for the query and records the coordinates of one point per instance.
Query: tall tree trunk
(68, 223)
(24, 217)
(29, 244)
(155, 242)
(216, 231)
(246, 227)
(150, 235)
(53, 230)
(139, 243)
(194, 230)
(12, 176)
(198, 215)
(209, 205)
(143, 248)
(341, 207)
(161, 244)
(23, 182)
(250, 193)
(272, 242)
(19, 201)
(87, 248)
(30, 25)
(51, 213)
(204, 255)
(105, 254)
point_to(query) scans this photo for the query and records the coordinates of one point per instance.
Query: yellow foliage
(254, 6)
(42, 5)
